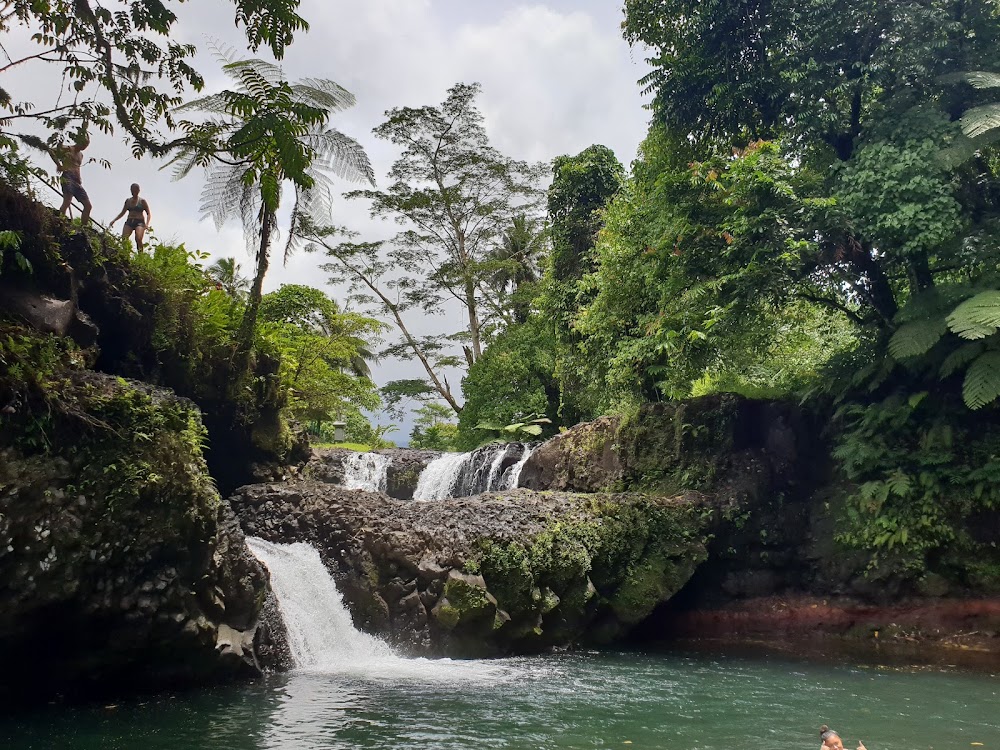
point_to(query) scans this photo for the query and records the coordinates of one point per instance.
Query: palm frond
(982, 381)
(982, 79)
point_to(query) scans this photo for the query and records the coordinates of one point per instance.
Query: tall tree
(128, 53)
(456, 196)
(266, 133)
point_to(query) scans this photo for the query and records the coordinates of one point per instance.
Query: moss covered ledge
(122, 567)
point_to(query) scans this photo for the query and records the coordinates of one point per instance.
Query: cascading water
(439, 476)
(515, 471)
(366, 471)
(487, 469)
(322, 636)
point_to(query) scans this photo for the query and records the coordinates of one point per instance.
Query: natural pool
(583, 700)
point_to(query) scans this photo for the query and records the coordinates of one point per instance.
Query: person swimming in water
(139, 217)
(831, 740)
(69, 160)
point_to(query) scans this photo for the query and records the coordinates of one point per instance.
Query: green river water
(627, 700)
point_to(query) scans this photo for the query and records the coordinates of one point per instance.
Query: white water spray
(515, 471)
(439, 476)
(494, 475)
(322, 636)
(366, 471)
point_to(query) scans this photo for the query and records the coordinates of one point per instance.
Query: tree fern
(978, 317)
(917, 337)
(982, 381)
(960, 358)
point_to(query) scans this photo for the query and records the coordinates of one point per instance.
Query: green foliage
(581, 187)
(193, 323)
(129, 54)
(318, 346)
(922, 344)
(513, 379)
(898, 193)
(432, 430)
(10, 244)
(921, 470)
(729, 72)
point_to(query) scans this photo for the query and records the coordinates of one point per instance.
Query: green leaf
(960, 358)
(982, 381)
(916, 338)
(978, 317)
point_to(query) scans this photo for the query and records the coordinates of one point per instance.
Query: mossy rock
(465, 601)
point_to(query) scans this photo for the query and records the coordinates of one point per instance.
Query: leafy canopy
(127, 53)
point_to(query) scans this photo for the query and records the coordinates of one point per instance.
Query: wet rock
(490, 574)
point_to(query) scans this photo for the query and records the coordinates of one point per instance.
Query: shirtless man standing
(68, 160)
(139, 217)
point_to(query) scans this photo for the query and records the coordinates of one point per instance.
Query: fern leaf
(979, 120)
(960, 358)
(915, 338)
(978, 317)
(982, 79)
(982, 381)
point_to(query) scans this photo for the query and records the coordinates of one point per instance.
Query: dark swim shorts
(71, 185)
(135, 223)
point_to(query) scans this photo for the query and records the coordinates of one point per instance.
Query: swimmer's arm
(861, 745)
(149, 213)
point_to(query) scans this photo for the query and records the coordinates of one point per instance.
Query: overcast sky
(556, 76)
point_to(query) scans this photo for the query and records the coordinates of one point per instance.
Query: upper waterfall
(487, 469)
(366, 471)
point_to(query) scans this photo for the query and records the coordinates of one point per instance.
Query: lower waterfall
(322, 636)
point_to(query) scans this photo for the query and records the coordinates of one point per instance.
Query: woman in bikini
(139, 217)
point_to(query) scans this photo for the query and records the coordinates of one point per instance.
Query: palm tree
(226, 273)
(517, 261)
(519, 254)
(257, 138)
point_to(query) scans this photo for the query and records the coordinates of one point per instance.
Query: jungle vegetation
(814, 214)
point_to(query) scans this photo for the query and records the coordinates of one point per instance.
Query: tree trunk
(879, 292)
(470, 297)
(919, 274)
(244, 338)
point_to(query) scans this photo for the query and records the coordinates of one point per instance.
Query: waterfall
(366, 471)
(486, 469)
(515, 471)
(439, 476)
(496, 467)
(322, 636)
